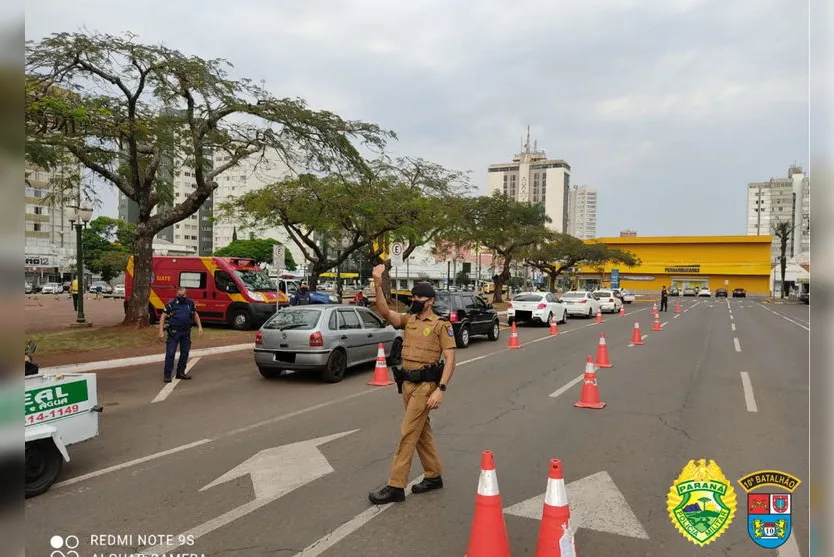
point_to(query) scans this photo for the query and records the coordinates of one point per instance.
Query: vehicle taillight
(453, 317)
(259, 339)
(316, 339)
(583, 301)
(509, 304)
(541, 306)
(610, 299)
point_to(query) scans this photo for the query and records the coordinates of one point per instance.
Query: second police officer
(428, 361)
(178, 316)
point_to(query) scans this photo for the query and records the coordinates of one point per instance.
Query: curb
(139, 360)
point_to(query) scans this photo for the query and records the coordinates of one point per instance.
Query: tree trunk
(499, 281)
(552, 281)
(137, 313)
(782, 268)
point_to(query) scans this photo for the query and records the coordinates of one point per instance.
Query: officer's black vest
(180, 312)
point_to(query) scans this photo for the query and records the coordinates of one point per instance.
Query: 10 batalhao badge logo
(701, 502)
(769, 514)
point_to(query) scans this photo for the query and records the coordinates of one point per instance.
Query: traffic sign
(278, 257)
(397, 249)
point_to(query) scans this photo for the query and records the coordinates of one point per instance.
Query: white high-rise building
(780, 200)
(582, 212)
(534, 178)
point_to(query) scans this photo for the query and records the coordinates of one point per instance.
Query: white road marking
(644, 337)
(737, 344)
(130, 463)
(234, 432)
(732, 318)
(749, 399)
(786, 318)
(332, 538)
(664, 323)
(733, 325)
(789, 548)
(675, 317)
(567, 386)
(169, 387)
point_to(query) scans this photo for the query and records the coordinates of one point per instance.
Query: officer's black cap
(423, 290)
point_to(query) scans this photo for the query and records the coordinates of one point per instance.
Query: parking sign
(278, 257)
(397, 249)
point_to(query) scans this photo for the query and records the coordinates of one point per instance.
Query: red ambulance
(231, 290)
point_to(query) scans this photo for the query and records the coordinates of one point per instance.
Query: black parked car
(739, 293)
(469, 315)
(721, 293)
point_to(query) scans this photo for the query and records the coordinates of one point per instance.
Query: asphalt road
(679, 396)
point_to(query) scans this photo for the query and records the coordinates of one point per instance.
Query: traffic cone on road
(381, 369)
(599, 316)
(622, 311)
(513, 337)
(555, 531)
(602, 354)
(636, 336)
(554, 326)
(488, 535)
(589, 397)
(678, 306)
(656, 325)
(654, 308)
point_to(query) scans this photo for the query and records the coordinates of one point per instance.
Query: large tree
(502, 225)
(783, 231)
(135, 114)
(259, 250)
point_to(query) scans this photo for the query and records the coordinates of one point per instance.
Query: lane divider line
(169, 387)
(567, 386)
(786, 318)
(749, 399)
(737, 344)
(733, 325)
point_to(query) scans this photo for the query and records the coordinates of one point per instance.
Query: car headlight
(334, 299)
(257, 296)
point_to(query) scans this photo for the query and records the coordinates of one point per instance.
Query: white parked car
(119, 291)
(705, 292)
(581, 302)
(52, 288)
(538, 307)
(608, 301)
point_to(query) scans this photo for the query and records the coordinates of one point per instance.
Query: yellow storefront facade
(685, 261)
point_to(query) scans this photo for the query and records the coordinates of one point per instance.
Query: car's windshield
(256, 281)
(604, 294)
(293, 318)
(527, 298)
(573, 295)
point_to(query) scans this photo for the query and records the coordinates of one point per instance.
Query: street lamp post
(79, 219)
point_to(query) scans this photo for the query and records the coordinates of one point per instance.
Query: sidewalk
(54, 312)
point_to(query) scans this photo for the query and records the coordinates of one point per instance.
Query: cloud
(651, 102)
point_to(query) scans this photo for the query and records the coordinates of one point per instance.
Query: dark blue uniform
(179, 318)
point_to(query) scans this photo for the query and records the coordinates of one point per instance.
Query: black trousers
(664, 304)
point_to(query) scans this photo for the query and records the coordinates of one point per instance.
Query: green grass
(86, 340)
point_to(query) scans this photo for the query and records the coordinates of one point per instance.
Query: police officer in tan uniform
(423, 380)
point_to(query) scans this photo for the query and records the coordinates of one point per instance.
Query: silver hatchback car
(326, 338)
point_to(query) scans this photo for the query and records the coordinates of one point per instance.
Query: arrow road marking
(595, 503)
(169, 387)
(274, 472)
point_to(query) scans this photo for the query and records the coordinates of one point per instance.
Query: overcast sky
(669, 108)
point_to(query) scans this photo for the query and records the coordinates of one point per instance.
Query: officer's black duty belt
(431, 373)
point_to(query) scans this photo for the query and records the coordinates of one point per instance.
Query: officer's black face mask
(417, 307)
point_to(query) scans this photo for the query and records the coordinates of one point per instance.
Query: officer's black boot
(387, 494)
(427, 485)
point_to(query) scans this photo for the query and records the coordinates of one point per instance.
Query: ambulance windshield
(256, 281)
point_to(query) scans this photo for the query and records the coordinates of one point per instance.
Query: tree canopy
(108, 244)
(259, 250)
(135, 114)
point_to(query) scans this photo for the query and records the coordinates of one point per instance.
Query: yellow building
(686, 261)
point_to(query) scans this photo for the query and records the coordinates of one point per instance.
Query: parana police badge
(701, 502)
(769, 514)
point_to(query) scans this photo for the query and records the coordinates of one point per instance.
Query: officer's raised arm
(396, 319)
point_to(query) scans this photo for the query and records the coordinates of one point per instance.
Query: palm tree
(704, 501)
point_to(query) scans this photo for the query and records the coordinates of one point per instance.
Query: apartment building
(778, 200)
(582, 212)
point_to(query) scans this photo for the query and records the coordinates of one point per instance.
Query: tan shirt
(425, 340)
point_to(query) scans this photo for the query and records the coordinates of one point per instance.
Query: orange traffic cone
(555, 532)
(599, 316)
(656, 325)
(381, 369)
(488, 535)
(554, 326)
(678, 306)
(590, 390)
(513, 337)
(622, 311)
(636, 337)
(602, 354)
(654, 308)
